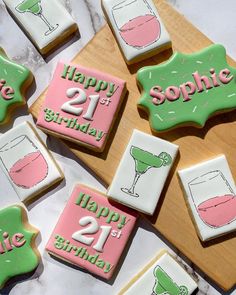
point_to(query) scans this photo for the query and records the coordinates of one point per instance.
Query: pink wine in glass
(29, 171)
(141, 31)
(218, 211)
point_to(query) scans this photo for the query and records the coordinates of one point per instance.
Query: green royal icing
(184, 105)
(165, 285)
(22, 259)
(16, 76)
(72, 74)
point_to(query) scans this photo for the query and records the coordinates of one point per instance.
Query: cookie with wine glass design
(14, 81)
(210, 195)
(92, 232)
(163, 275)
(47, 23)
(145, 164)
(28, 165)
(137, 27)
(18, 252)
(81, 105)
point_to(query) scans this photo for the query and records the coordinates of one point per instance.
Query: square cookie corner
(145, 164)
(210, 194)
(163, 275)
(26, 162)
(86, 106)
(137, 27)
(109, 225)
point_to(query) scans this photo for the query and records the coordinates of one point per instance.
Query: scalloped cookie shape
(187, 89)
(14, 79)
(17, 249)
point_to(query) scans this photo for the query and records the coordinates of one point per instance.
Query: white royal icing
(210, 193)
(164, 276)
(137, 182)
(137, 27)
(44, 21)
(26, 162)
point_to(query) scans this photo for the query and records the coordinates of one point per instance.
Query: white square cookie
(137, 27)
(142, 172)
(210, 194)
(163, 275)
(47, 23)
(26, 162)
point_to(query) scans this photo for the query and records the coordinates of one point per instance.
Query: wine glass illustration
(145, 160)
(34, 6)
(137, 23)
(214, 198)
(164, 285)
(23, 162)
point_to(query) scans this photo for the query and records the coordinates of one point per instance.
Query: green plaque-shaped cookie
(14, 81)
(188, 89)
(18, 255)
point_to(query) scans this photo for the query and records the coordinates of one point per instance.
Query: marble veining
(53, 276)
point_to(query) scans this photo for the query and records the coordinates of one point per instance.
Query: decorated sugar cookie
(18, 253)
(47, 23)
(145, 164)
(138, 28)
(81, 105)
(26, 162)
(188, 89)
(92, 232)
(14, 80)
(162, 276)
(210, 194)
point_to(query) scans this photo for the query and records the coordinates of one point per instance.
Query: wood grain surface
(216, 258)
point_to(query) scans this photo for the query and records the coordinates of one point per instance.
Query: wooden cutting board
(216, 258)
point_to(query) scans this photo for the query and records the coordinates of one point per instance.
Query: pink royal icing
(81, 104)
(92, 232)
(21, 170)
(213, 210)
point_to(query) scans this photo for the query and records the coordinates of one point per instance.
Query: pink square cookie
(81, 105)
(92, 232)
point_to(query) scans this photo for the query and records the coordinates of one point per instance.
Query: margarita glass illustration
(164, 285)
(137, 23)
(145, 160)
(34, 6)
(215, 206)
(21, 158)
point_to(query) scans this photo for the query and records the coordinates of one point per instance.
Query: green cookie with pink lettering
(18, 253)
(188, 89)
(14, 81)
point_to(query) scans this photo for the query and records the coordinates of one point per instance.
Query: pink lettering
(158, 97)
(172, 93)
(223, 76)
(188, 88)
(17, 240)
(185, 92)
(7, 92)
(8, 243)
(214, 78)
(201, 80)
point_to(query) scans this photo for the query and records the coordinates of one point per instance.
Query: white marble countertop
(213, 17)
